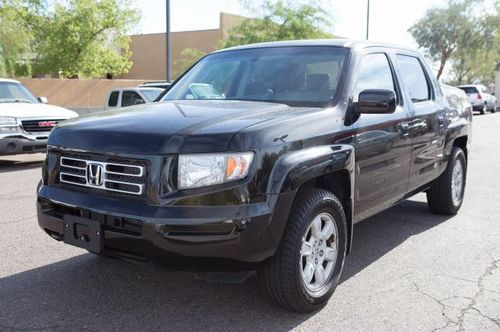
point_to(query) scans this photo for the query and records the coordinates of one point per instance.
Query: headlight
(7, 123)
(200, 170)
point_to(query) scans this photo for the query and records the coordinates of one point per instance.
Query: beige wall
(76, 94)
(148, 50)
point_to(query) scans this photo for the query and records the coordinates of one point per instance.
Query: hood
(35, 111)
(164, 128)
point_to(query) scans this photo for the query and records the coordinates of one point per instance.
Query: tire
(483, 110)
(282, 276)
(444, 197)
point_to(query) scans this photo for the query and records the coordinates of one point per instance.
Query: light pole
(167, 36)
(367, 19)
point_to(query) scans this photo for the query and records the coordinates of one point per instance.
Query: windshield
(468, 89)
(15, 93)
(297, 76)
(151, 94)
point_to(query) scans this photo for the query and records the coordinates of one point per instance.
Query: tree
(86, 37)
(280, 20)
(443, 30)
(15, 40)
(478, 59)
(188, 57)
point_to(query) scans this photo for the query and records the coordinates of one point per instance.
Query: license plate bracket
(83, 233)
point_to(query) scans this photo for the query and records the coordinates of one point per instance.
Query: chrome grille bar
(75, 171)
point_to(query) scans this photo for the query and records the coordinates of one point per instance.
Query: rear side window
(130, 98)
(113, 99)
(414, 78)
(374, 73)
(468, 89)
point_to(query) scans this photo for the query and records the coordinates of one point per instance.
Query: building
(149, 55)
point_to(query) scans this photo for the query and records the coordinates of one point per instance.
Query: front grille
(38, 126)
(104, 174)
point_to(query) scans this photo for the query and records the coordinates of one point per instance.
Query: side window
(414, 78)
(130, 98)
(113, 99)
(375, 73)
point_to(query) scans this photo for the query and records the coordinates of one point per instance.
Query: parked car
(479, 97)
(268, 171)
(25, 120)
(457, 100)
(159, 84)
(124, 97)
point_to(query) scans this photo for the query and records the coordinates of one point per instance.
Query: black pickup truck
(260, 157)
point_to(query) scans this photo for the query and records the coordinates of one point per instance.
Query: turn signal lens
(238, 165)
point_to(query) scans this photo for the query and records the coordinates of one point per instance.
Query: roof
(138, 88)
(469, 86)
(8, 80)
(452, 88)
(348, 43)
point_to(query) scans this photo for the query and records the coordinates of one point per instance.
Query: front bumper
(137, 230)
(478, 107)
(20, 145)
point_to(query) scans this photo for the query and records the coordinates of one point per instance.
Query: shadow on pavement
(89, 292)
(378, 235)
(8, 165)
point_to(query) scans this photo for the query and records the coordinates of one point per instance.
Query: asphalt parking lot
(409, 270)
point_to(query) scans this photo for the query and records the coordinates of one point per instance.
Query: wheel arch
(329, 167)
(462, 142)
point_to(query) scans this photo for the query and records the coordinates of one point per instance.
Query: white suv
(25, 120)
(479, 97)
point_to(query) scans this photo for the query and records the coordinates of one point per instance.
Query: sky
(389, 19)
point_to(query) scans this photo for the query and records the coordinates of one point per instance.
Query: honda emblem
(95, 174)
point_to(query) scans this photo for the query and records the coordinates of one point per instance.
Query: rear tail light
(478, 96)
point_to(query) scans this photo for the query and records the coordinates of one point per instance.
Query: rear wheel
(483, 110)
(305, 270)
(447, 193)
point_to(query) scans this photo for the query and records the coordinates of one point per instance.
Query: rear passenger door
(427, 119)
(382, 144)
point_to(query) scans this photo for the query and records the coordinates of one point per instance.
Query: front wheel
(305, 270)
(447, 193)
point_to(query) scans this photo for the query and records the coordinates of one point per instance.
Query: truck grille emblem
(47, 124)
(94, 174)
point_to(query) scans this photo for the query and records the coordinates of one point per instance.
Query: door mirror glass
(376, 101)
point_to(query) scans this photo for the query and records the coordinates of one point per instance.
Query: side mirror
(43, 100)
(376, 101)
(138, 101)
